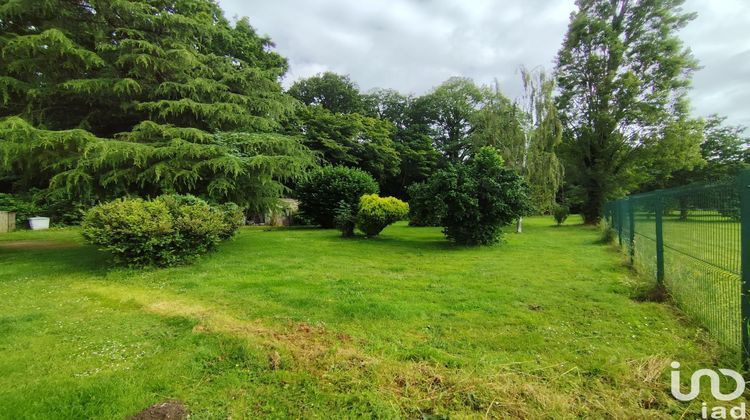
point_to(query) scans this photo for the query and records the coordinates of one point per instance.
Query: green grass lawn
(702, 268)
(301, 322)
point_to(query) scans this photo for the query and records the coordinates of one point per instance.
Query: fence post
(744, 192)
(659, 210)
(631, 226)
(619, 221)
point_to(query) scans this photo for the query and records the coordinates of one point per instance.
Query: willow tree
(103, 98)
(543, 132)
(623, 76)
(527, 134)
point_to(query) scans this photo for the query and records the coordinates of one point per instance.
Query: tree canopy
(116, 97)
(108, 98)
(623, 75)
(448, 111)
(527, 133)
(352, 140)
(334, 92)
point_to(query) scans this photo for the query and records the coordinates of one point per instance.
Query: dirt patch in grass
(168, 410)
(34, 245)
(302, 345)
(423, 388)
(654, 293)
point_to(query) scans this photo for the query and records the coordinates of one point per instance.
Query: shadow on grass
(568, 225)
(395, 242)
(48, 258)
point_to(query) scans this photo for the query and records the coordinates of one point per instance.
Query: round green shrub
(168, 230)
(322, 193)
(479, 197)
(376, 213)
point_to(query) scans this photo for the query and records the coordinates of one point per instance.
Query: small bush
(233, 217)
(376, 213)
(479, 197)
(424, 209)
(61, 208)
(166, 231)
(560, 212)
(345, 219)
(22, 207)
(322, 193)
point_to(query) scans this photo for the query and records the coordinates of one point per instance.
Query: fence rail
(695, 242)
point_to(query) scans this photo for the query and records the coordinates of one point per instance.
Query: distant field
(303, 323)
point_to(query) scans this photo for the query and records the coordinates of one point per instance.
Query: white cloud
(413, 45)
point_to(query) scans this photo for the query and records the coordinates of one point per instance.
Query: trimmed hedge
(331, 188)
(376, 213)
(168, 230)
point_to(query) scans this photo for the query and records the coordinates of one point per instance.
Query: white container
(39, 223)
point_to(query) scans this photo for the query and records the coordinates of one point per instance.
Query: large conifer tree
(103, 98)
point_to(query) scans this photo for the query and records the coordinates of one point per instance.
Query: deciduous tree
(419, 159)
(527, 134)
(334, 92)
(623, 75)
(448, 112)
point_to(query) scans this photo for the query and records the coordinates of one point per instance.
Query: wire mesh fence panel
(644, 248)
(690, 239)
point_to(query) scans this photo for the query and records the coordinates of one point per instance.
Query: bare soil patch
(168, 410)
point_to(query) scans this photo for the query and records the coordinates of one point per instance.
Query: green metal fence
(695, 241)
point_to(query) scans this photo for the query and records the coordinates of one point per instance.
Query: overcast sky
(413, 45)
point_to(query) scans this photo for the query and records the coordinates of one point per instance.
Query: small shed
(281, 215)
(7, 221)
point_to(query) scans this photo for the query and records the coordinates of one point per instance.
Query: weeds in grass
(608, 235)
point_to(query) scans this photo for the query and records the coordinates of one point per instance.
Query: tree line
(102, 99)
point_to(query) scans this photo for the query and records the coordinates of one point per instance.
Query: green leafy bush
(60, 208)
(424, 210)
(479, 198)
(345, 219)
(322, 193)
(376, 213)
(168, 230)
(560, 212)
(233, 217)
(22, 207)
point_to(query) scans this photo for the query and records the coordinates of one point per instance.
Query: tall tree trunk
(593, 207)
(519, 225)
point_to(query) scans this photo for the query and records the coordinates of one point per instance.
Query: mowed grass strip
(301, 322)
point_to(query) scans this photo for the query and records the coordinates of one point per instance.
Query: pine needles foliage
(107, 98)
